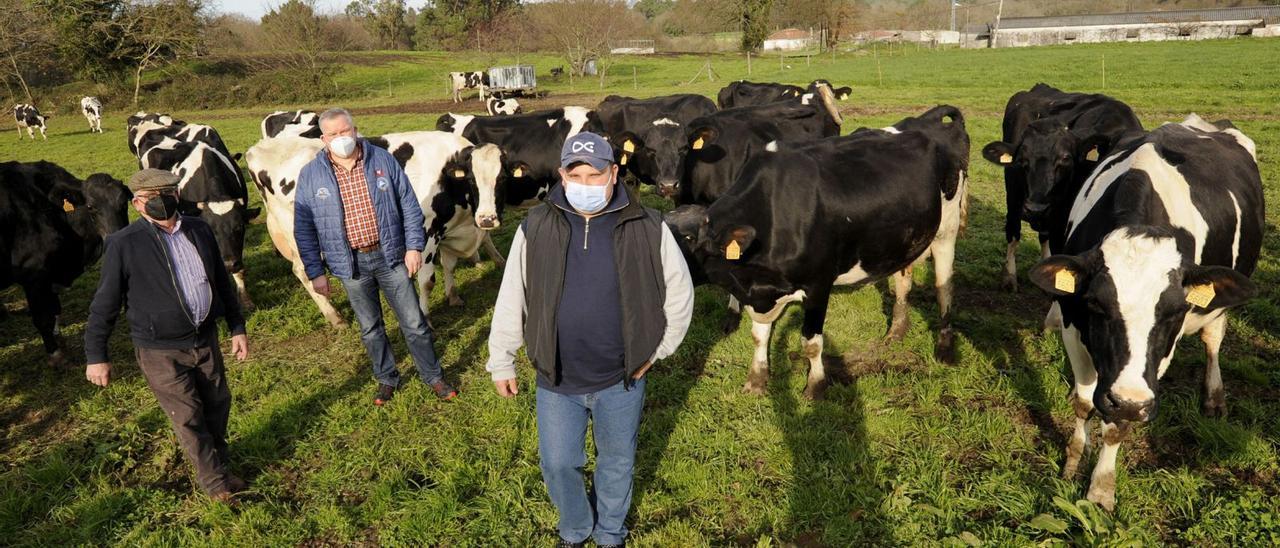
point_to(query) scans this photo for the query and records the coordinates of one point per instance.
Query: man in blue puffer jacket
(356, 214)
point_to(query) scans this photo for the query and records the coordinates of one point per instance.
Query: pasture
(904, 450)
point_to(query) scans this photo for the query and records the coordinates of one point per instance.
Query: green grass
(910, 451)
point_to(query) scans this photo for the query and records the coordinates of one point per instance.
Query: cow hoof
(1009, 283)
(756, 382)
(1215, 407)
(945, 349)
(455, 300)
(1105, 499)
(897, 332)
(730, 324)
(58, 360)
(815, 391)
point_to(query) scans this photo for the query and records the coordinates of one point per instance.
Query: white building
(1144, 26)
(788, 40)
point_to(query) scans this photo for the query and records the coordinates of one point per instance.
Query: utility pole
(995, 31)
(954, 3)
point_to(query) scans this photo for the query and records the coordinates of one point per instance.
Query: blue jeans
(562, 429)
(373, 274)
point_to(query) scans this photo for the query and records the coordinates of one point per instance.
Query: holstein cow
(28, 117)
(804, 217)
(455, 183)
(1161, 241)
(147, 134)
(303, 123)
(530, 145)
(1052, 141)
(92, 109)
(649, 134)
(502, 107)
(459, 81)
(54, 226)
(743, 93)
(211, 187)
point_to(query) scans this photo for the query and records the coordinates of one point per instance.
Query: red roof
(789, 34)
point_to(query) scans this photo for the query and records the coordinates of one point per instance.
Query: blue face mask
(586, 199)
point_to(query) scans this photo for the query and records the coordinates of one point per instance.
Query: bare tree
(583, 29)
(301, 37)
(156, 32)
(24, 40)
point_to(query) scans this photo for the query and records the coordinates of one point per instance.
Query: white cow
(92, 109)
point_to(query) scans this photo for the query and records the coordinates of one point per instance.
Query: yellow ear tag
(68, 206)
(1201, 295)
(628, 146)
(517, 172)
(459, 173)
(1065, 281)
(623, 160)
(697, 144)
(1006, 158)
(1092, 156)
(733, 251)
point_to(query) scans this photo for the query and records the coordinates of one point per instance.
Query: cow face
(107, 202)
(657, 158)
(477, 177)
(1051, 156)
(453, 123)
(1124, 304)
(727, 254)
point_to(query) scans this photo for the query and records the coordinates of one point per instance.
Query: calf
(92, 109)
(29, 118)
(804, 217)
(502, 107)
(459, 81)
(1159, 243)
(303, 123)
(649, 134)
(54, 226)
(1052, 140)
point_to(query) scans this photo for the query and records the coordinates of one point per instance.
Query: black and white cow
(458, 81)
(720, 144)
(211, 187)
(1160, 242)
(303, 123)
(29, 118)
(92, 109)
(456, 185)
(530, 145)
(502, 107)
(649, 134)
(148, 134)
(804, 217)
(743, 93)
(54, 226)
(1052, 141)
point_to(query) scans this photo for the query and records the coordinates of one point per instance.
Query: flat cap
(152, 179)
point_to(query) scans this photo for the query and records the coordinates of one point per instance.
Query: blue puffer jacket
(319, 226)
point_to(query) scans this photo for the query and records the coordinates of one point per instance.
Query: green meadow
(904, 450)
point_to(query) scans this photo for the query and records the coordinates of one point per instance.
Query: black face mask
(162, 207)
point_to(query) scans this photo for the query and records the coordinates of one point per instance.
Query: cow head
(453, 123)
(477, 176)
(1052, 157)
(656, 158)
(1125, 302)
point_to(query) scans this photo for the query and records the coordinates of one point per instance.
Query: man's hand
(98, 373)
(240, 347)
(506, 387)
(643, 369)
(413, 262)
(321, 285)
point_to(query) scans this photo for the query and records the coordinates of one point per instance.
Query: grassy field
(908, 451)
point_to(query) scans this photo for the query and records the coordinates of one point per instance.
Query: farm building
(1146, 26)
(787, 40)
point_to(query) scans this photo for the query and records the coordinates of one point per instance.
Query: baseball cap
(586, 147)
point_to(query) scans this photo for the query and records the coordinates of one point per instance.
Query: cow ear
(1092, 150)
(518, 169)
(625, 145)
(700, 137)
(1060, 275)
(1214, 287)
(998, 152)
(252, 213)
(737, 240)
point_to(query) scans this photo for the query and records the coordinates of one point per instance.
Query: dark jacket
(138, 272)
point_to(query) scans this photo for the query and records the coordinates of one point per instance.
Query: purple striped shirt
(188, 269)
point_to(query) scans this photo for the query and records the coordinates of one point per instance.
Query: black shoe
(443, 390)
(622, 545)
(385, 391)
(566, 544)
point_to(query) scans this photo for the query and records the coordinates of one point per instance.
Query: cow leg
(1102, 486)
(758, 377)
(1215, 400)
(42, 134)
(901, 317)
(815, 315)
(944, 258)
(326, 308)
(242, 290)
(449, 261)
(426, 283)
(733, 317)
(1053, 320)
(493, 253)
(44, 306)
(1086, 381)
(1010, 280)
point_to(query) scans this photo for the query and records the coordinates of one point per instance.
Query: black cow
(804, 217)
(303, 123)
(459, 81)
(28, 117)
(1159, 243)
(720, 144)
(743, 93)
(530, 145)
(52, 231)
(649, 134)
(1052, 140)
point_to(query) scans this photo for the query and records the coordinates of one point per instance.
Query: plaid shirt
(357, 206)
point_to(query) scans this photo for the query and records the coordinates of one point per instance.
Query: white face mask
(343, 146)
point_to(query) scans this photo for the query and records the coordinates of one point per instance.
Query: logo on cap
(579, 146)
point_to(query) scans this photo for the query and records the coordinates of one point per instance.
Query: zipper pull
(586, 234)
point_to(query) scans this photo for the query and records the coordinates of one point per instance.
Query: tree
(24, 40)
(755, 23)
(653, 8)
(156, 32)
(85, 36)
(583, 29)
(459, 24)
(387, 20)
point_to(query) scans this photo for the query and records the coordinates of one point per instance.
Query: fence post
(748, 63)
(1104, 71)
(635, 84)
(781, 64)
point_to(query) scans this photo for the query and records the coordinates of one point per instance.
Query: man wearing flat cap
(167, 270)
(596, 289)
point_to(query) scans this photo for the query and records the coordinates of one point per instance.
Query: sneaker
(566, 544)
(385, 391)
(622, 545)
(443, 390)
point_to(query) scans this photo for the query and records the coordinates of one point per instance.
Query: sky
(256, 8)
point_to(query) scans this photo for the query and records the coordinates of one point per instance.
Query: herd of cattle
(1147, 235)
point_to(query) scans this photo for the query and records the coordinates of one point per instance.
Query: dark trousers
(191, 386)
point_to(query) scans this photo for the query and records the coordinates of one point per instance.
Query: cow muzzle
(487, 222)
(668, 189)
(1115, 408)
(1034, 211)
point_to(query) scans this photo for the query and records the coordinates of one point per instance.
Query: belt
(367, 249)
